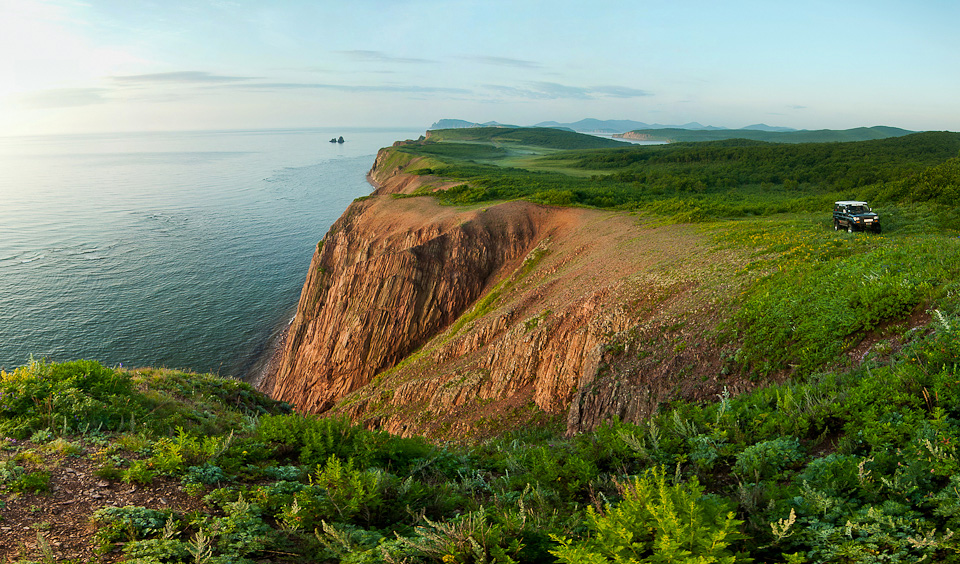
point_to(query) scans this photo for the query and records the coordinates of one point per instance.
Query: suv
(854, 216)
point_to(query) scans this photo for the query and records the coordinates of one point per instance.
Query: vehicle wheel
(836, 226)
(849, 228)
(877, 230)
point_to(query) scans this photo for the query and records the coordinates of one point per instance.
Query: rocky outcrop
(637, 136)
(385, 280)
(417, 317)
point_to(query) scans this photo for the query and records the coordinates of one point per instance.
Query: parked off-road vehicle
(855, 216)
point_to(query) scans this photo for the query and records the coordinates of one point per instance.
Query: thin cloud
(181, 77)
(513, 92)
(553, 90)
(556, 91)
(351, 87)
(795, 107)
(621, 92)
(503, 62)
(63, 98)
(381, 57)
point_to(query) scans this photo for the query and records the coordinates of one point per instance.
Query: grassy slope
(849, 464)
(853, 460)
(697, 181)
(540, 137)
(816, 136)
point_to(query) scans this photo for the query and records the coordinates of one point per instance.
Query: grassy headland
(848, 455)
(697, 181)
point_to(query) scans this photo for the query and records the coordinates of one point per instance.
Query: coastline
(264, 372)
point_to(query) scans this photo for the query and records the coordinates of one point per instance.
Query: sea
(184, 250)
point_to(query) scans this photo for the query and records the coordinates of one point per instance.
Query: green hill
(544, 137)
(717, 179)
(803, 136)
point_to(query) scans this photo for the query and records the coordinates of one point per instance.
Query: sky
(72, 66)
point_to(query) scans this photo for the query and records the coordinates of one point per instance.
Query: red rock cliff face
(389, 275)
(514, 310)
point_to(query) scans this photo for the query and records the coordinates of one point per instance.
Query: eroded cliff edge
(421, 318)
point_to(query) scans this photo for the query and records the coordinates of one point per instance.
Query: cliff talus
(417, 317)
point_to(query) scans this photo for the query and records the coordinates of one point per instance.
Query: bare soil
(63, 517)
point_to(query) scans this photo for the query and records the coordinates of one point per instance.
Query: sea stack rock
(334, 140)
(340, 139)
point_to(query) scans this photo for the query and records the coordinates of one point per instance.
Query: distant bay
(179, 249)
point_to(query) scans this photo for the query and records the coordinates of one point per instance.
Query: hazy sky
(127, 65)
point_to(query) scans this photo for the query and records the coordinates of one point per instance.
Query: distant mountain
(460, 124)
(694, 125)
(610, 126)
(597, 126)
(755, 131)
(765, 127)
(591, 125)
(770, 135)
(453, 124)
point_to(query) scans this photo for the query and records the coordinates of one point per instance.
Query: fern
(657, 522)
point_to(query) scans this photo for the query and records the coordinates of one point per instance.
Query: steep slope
(514, 310)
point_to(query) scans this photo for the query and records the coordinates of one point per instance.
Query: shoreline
(264, 372)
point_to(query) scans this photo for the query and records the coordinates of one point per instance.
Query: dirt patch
(887, 338)
(63, 517)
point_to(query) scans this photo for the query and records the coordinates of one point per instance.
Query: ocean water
(180, 250)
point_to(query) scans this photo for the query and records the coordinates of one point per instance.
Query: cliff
(636, 136)
(423, 318)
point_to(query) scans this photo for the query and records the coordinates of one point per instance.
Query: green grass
(697, 181)
(817, 136)
(540, 137)
(820, 292)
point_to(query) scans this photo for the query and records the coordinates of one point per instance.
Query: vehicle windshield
(858, 209)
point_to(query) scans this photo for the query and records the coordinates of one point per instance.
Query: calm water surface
(184, 250)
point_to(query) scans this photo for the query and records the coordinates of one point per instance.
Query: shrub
(350, 492)
(139, 472)
(128, 523)
(205, 475)
(470, 538)
(70, 395)
(657, 522)
(153, 551)
(242, 531)
(834, 474)
(34, 482)
(767, 458)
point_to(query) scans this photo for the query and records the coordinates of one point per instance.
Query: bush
(657, 522)
(34, 482)
(70, 396)
(768, 458)
(128, 523)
